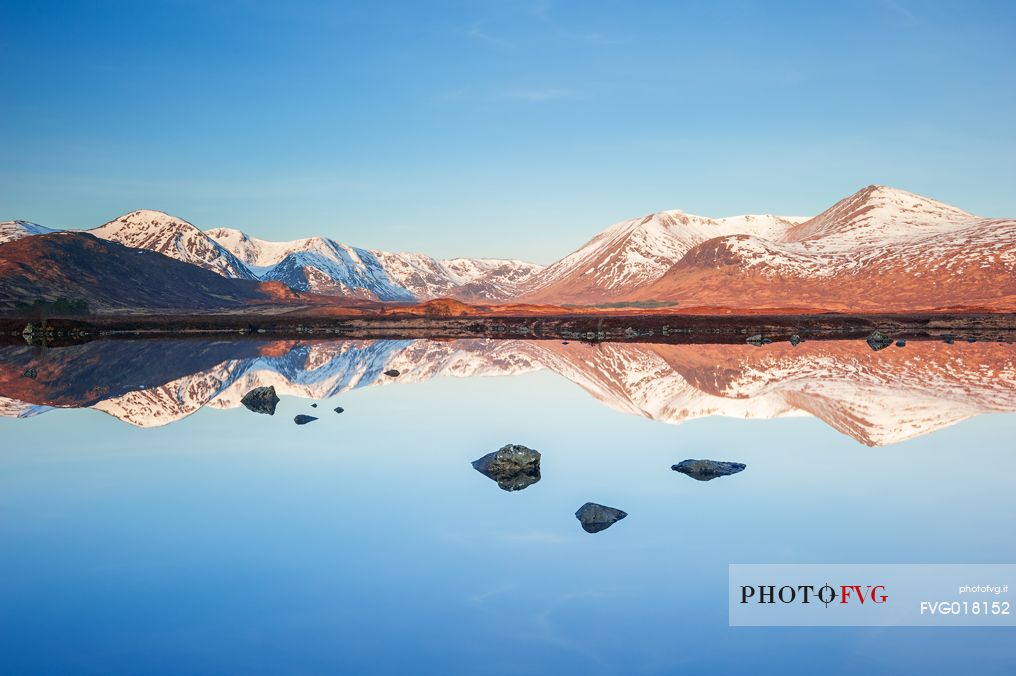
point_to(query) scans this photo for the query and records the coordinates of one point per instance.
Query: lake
(150, 523)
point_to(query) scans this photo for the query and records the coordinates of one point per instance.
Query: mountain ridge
(173, 237)
(108, 275)
(879, 249)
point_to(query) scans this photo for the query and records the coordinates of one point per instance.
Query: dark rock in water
(595, 518)
(339, 409)
(879, 341)
(30, 372)
(392, 373)
(971, 340)
(755, 340)
(313, 405)
(707, 470)
(795, 340)
(513, 467)
(261, 400)
(948, 340)
(304, 419)
(564, 342)
(901, 343)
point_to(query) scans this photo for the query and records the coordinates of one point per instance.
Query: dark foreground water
(163, 528)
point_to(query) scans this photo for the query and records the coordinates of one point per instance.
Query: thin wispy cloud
(535, 95)
(477, 34)
(900, 10)
(590, 37)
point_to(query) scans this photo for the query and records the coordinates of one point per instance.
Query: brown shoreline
(649, 327)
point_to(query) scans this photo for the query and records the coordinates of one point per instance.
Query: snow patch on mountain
(324, 265)
(173, 237)
(876, 215)
(315, 264)
(632, 253)
(481, 279)
(12, 230)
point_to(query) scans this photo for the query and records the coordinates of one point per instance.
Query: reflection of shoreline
(878, 398)
(694, 325)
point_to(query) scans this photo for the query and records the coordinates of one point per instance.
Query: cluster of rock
(513, 466)
(265, 399)
(876, 341)
(758, 340)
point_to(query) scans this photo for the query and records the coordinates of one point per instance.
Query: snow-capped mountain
(12, 230)
(471, 279)
(324, 266)
(490, 278)
(315, 264)
(107, 275)
(631, 254)
(875, 215)
(878, 250)
(173, 237)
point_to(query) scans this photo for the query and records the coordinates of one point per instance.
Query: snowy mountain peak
(879, 237)
(12, 230)
(173, 237)
(632, 253)
(315, 264)
(323, 265)
(878, 212)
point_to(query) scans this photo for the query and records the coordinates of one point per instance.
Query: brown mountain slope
(880, 249)
(110, 276)
(971, 266)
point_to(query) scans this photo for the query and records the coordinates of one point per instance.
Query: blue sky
(496, 128)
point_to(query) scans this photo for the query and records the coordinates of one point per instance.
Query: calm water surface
(169, 531)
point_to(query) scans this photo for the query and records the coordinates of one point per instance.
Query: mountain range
(880, 249)
(878, 398)
(109, 275)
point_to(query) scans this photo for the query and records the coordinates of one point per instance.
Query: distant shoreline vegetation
(621, 304)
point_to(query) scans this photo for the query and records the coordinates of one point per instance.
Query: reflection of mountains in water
(877, 398)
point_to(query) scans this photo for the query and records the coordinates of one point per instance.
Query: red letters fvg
(863, 594)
